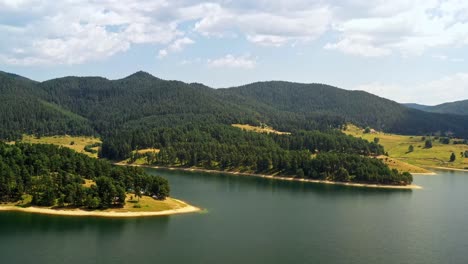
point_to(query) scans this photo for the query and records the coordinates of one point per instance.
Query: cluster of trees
(447, 140)
(307, 154)
(460, 142)
(55, 176)
(356, 168)
(90, 148)
(444, 140)
(326, 165)
(199, 138)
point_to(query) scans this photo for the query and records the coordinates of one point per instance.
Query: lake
(255, 220)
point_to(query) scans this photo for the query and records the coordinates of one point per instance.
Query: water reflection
(17, 222)
(234, 183)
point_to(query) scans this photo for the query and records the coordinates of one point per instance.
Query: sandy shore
(111, 214)
(405, 187)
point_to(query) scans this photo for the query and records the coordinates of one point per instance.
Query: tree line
(309, 154)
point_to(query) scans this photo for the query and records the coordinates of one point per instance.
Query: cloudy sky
(408, 51)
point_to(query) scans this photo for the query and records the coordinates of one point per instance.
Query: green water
(252, 220)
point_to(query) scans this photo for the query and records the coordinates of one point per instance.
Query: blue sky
(408, 51)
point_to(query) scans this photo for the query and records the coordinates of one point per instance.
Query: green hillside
(358, 107)
(24, 111)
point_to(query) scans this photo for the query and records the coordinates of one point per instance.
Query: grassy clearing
(264, 129)
(402, 166)
(397, 147)
(25, 201)
(89, 183)
(77, 143)
(144, 151)
(140, 156)
(148, 204)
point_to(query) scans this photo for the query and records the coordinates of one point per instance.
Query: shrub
(428, 144)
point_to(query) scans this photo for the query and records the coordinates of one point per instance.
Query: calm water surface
(253, 220)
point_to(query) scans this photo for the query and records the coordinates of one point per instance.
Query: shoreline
(446, 168)
(283, 178)
(105, 214)
(423, 173)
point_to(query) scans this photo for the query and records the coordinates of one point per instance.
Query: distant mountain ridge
(417, 106)
(98, 106)
(458, 107)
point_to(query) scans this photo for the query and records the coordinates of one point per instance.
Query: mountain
(361, 108)
(96, 105)
(25, 111)
(138, 99)
(458, 108)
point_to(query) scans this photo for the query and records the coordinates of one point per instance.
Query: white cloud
(16, 4)
(179, 44)
(231, 61)
(73, 32)
(359, 45)
(176, 46)
(446, 89)
(407, 27)
(268, 40)
(265, 25)
(162, 53)
(76, 31)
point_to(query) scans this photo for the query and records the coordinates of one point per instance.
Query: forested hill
(459, 108)
(140, 99)
(358, 107)
(95, 105)
(24, 110)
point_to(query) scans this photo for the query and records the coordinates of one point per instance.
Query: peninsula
(49, 179)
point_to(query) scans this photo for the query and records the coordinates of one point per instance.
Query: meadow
(398, 149)
(259, 129)
(77, 143)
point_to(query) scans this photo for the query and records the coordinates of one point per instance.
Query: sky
(408, 51)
